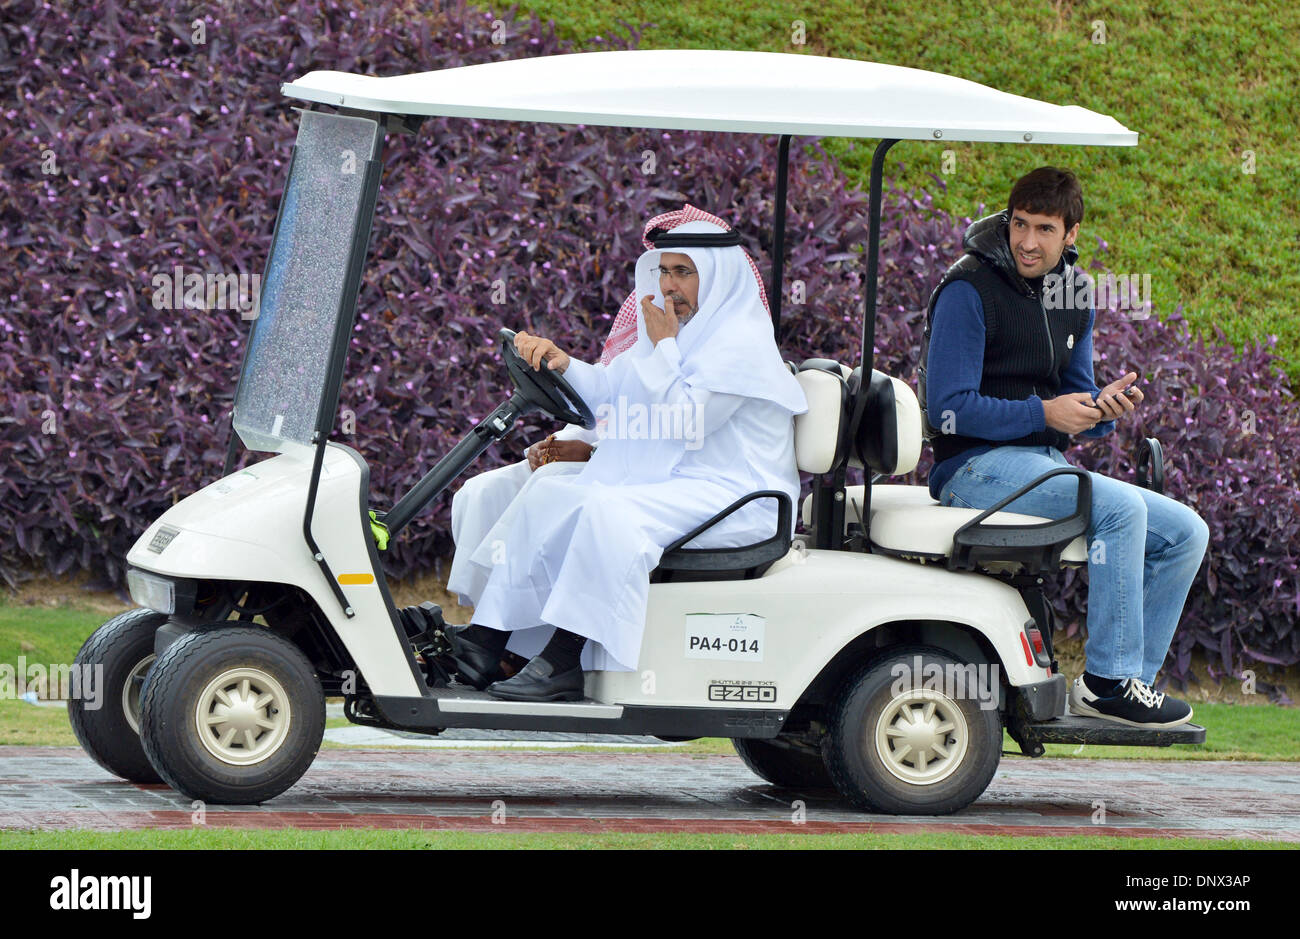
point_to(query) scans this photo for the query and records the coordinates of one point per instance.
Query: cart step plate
(1073, 728)
(460, 706)
(461, 699)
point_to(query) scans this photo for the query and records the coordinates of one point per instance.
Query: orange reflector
(356, 578)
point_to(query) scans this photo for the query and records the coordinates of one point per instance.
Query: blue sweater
(954, 369)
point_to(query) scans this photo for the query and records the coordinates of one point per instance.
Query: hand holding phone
(1119, 397)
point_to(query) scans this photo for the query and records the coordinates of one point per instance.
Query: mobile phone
(1128, 393)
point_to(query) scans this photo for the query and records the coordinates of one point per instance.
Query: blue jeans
(1144, 551)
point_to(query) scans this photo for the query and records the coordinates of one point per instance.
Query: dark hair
(1048, 191)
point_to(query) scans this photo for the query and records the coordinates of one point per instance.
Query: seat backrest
(820, 434)
(887, 438)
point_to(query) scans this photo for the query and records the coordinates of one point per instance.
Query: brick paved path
(58, 787)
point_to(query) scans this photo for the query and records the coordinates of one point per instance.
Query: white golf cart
(881, 651)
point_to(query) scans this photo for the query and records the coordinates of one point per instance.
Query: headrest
(886, 433)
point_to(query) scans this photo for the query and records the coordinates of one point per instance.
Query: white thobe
(576, 550)
(479, 504)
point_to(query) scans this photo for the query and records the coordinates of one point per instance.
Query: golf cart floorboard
(1073, 728)
(458, 706)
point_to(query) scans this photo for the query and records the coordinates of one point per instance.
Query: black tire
(110, 733)
(234, 761)
(861, 716)
(783, 765)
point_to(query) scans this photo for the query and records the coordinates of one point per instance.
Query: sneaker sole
(1079, 709)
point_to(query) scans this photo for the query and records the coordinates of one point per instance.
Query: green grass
(1199, 83)
(45, 635)
(408, 839)
(24, 725)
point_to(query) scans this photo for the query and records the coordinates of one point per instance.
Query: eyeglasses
(678, 273)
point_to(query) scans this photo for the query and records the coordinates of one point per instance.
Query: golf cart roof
(748, 92)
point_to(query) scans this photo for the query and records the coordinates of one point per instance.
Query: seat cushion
(905, 520)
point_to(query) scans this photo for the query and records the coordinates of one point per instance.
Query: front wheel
(115, 660)
(232, 715)
(916, 733)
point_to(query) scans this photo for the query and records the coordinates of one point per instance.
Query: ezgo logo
(104, 892)
(749, 693)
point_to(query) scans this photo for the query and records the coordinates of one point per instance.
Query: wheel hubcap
(921, 737)
(131, 691)
(242, 716)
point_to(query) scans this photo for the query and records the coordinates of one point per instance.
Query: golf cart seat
(885, 439)
(906, 521)
(819, 436)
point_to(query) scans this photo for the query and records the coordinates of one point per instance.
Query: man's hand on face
(659, 324)
(559, 451)
(536, 350)
(1112, 401)
(1072, 413)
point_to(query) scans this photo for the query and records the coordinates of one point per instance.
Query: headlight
(151, 591)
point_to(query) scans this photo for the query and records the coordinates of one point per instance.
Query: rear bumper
(1044, 700)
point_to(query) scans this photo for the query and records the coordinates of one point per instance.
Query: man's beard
(681, 304)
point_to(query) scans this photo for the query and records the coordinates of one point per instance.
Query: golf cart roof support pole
(233, 444)
(873, 261)
(492, 428)
(778, 236)
(329, 400)
(869, 318)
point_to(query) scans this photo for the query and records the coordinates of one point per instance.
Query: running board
(1092, 730)
(464, 707)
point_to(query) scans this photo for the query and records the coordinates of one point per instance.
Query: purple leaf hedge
(130, 147)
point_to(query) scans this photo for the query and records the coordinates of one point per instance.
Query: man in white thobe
(481, 501)
(698, 413)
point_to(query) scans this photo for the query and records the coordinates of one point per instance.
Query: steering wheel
(544, 388)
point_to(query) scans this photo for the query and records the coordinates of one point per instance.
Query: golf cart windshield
(289, 354)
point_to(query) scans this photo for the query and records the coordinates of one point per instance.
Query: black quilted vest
(1027, 343)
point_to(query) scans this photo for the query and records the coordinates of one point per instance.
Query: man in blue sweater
(1006, 379)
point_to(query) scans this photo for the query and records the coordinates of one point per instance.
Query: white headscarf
(728, 346)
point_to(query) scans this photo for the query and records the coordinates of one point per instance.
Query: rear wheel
(782, 764)
(232, 715)
(115, 660)
(902, 743)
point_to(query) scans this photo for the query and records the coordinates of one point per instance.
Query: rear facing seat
(904, 520)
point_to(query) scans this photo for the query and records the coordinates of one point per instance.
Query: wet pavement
(659, 789)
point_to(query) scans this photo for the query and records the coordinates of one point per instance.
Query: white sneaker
(1134, 703)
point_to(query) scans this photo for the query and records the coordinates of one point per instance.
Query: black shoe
(477, 664)
(537, 681)
(1133, 702)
